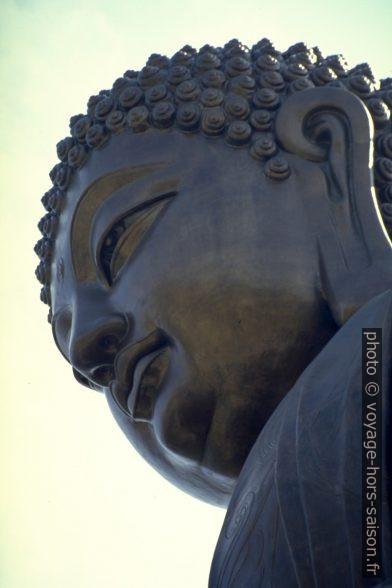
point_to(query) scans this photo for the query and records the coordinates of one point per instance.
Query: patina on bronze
(213, 224)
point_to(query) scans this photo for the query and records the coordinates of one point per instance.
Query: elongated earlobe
(331, 127)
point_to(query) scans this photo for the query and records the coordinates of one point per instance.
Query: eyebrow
(90, 201)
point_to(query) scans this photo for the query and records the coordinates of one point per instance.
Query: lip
(140, 369)
(148, 379)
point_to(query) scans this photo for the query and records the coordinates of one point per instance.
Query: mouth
(140, 372)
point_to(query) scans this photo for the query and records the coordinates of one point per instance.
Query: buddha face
(178, 292)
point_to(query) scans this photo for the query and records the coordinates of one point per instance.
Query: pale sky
(79, 508)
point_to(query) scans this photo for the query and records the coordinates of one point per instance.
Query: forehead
(129, 159)
(127, 171)
(216, 182)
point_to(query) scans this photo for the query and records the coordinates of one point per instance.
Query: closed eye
(124, 237)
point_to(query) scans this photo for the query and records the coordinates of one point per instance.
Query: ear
(332, 127)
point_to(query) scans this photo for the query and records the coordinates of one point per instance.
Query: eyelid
(131, 230)
(64, 314)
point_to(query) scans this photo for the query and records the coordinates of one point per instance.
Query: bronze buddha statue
(214, 221)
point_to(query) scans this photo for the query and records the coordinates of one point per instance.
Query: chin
(176, 454)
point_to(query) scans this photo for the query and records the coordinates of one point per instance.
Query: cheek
(183, 418)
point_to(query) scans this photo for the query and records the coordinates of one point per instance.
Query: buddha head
(213, 220)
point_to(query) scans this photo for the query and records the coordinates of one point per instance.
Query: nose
(93, 345)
